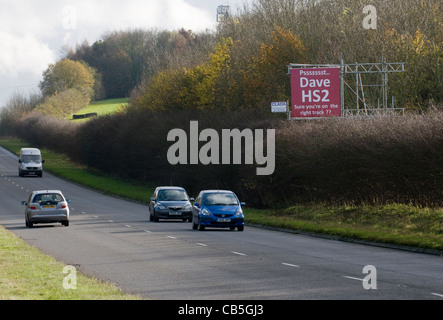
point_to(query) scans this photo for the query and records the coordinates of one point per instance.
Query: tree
(66, 74)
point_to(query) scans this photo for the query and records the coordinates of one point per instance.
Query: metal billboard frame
(384, 68)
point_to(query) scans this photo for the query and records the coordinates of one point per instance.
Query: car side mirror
(191, 199)
(20, 161)
(242, 204)
(196, 204)
(152, 199)
(43, 161)
(24, 203)
(68, 200)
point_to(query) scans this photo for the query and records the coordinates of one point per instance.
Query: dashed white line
(147, 231)
(127, 226)
(437, 294)
(290, 265)
(201, 244)
(238, 253)
(354, 278)
(171, 237)
(112, 221)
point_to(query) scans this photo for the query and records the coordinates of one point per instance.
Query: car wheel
(200, 227)
(29, 224)
(240, 228)
(194, 225)
(65, 223)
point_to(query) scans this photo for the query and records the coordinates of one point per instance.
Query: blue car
(217, 209)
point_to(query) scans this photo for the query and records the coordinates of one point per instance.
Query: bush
(65, 103)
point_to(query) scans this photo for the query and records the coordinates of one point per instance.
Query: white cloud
(94, 18)
(24, 53)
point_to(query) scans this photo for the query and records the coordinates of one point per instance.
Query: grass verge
(394, 224)
(28, 274)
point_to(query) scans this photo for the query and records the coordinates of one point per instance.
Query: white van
(30, 162)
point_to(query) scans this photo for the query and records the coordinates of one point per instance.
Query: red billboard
(315, 92)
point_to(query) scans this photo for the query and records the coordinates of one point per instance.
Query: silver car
(170, 203)
(46, 206)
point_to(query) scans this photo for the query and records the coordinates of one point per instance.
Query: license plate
(49, 207)
(223, 220)
(175, 213)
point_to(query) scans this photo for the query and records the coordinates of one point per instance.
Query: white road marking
(110, 221)
(127, 226)
(437, 294)
(171, 237)
(238, 253)
(290, 265)
(202, 244)
(354, 278)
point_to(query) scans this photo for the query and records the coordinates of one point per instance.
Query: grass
(103, 107)
(394, 224)
(28, 274)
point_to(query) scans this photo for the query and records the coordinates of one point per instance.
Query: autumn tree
(66, 74)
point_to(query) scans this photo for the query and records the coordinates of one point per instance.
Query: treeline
(243, 64)
(126, 59)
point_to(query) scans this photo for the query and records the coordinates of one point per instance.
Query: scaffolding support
(382, 68)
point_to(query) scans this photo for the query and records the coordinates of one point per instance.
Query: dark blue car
(217, 209)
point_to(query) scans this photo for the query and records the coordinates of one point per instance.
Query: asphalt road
(113, 240)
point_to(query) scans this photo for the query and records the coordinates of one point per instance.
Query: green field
(103, 107)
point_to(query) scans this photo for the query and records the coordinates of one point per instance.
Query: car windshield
(172, 195)
(47, 197)
(220, 199)
(31, 158)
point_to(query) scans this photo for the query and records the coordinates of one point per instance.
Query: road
(112, 239)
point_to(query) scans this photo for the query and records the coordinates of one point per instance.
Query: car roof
(46, 191)
(163, 188)
(217, 191)
(30, 150)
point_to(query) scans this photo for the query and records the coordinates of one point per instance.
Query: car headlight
(160, 206)
(205, 212)
(187, 207)
(239, 213)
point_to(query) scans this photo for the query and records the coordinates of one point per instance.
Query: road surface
(112, 239)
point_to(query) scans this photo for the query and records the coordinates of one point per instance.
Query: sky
(33, 33)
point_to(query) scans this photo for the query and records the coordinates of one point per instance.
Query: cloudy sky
(33, 32)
